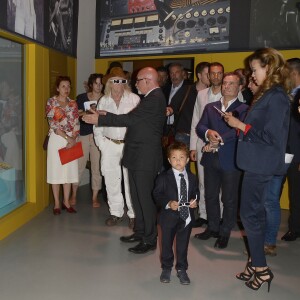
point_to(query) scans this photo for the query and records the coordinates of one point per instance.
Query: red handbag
(67, 155)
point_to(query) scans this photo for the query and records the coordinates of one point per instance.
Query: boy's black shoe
(183, 277)
(165, 276)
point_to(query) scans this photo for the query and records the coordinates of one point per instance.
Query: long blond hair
(108, 86)
(277, 71)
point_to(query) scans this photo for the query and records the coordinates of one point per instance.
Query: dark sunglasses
(118, 80)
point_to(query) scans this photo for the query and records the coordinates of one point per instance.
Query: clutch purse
(69, 154)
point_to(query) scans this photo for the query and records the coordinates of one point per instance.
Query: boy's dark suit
(164, 191)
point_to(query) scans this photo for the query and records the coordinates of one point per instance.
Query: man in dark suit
(293, 146)
(180, 104)
(142, 154)
(176, 93)
(220, 170)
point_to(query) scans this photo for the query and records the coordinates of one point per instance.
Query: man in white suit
(211, 94)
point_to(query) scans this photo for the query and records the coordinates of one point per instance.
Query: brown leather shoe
(113, 220)
(270, 250)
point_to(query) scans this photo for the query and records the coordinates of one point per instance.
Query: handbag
(67, 155)
(169, 139)
(45, 143)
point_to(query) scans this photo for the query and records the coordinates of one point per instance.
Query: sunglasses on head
(118, 80)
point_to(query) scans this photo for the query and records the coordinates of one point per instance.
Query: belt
(116, 141)
(182, 132)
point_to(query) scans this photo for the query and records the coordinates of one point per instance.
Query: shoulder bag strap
(185, 98)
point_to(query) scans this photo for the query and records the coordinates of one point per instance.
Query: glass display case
(12, 167)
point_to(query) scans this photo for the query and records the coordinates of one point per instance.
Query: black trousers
(293, 176)
(216, 180)
(172, 227)
(141, 184)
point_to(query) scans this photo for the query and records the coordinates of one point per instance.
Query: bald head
(150, 73)
(146, 80)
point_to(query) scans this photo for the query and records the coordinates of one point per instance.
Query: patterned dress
(66, 119)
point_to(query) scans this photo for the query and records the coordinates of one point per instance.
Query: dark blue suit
(293, 175)
(164, 191)
(261, 154)
(220, 170)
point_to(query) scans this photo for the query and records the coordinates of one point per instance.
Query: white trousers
(111, 155)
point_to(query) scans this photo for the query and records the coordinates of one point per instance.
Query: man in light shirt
(118, 99)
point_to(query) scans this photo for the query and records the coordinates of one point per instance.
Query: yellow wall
(40, 63)
(231, 61)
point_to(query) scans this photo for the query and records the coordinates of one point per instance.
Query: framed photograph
(90, 105)
(147, 27)
(61, 22)
(281, 31)
(26, 17)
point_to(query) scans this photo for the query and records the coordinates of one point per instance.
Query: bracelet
(66, 137)
(247, 128)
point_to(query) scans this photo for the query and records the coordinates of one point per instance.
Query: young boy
(176, 191)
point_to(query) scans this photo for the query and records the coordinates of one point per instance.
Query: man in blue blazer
(218, 160)
(293, 146)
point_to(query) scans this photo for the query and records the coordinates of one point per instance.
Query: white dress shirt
(205, 96)
(173, 91)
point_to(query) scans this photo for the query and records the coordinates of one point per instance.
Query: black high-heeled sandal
(247, 274)
(257, 281)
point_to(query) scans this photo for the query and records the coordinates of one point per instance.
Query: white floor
(77, 257)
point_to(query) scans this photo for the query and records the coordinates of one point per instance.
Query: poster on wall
(147, 27)
(282, 30)
(26, 17)
(61, 20)
(52, 23)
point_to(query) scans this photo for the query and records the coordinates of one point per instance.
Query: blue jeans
(253, 214)
(272, 207)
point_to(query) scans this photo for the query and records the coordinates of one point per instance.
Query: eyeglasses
(230, 83)
(118, 80)
(139, 79)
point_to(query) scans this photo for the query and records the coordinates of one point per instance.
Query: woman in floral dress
(63, 119)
